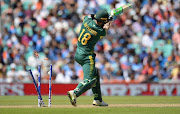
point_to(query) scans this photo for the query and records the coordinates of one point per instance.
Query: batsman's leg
(96, 88)
(97, 91)
(88, 82)
(72, 97)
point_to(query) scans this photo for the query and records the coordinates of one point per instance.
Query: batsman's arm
(116, 12)
(121, 10)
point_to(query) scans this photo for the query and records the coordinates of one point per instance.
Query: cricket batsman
(93, 28)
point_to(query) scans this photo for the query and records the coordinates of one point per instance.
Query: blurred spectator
(136, 67)
(176, 37)
(164, 74)
(146, 39)
(142, 45)
(12, 75)
(175, 73)
(62, 78)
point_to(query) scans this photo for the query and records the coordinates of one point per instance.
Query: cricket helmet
(102, 15)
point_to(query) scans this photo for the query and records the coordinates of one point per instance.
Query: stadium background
(142, 45)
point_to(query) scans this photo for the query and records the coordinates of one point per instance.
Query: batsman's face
(99, 23)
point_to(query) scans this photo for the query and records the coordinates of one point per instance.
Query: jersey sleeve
(104, 33)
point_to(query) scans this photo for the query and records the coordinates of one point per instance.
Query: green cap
(102, 14)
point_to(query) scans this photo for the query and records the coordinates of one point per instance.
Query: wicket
(39, 84)
(39, 94)
(50, 86)
(38, 88)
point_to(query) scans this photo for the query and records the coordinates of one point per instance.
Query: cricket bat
(121, 10)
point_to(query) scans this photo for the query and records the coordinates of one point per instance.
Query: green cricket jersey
(89, 35)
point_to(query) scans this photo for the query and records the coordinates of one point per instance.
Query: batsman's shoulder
(87, 17)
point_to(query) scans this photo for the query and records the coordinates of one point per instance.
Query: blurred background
(142, 45)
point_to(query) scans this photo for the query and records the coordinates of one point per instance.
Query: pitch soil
(91, 106)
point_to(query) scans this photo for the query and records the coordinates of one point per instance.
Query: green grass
(103, 110)
(87, 100)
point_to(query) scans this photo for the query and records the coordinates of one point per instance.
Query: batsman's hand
(106, 26)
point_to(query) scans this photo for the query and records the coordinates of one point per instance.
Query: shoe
(98, 103)
(72, 97)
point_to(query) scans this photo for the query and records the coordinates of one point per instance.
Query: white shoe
(72, 97)
(98, 103)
